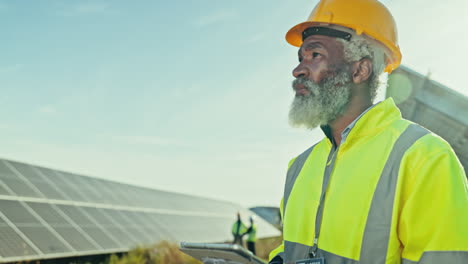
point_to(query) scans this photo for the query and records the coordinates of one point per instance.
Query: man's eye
(315, 54)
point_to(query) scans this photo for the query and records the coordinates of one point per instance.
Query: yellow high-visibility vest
(238, 228)
(395, 193)
(252, 233)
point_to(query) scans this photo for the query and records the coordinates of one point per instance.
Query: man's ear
(362, 70)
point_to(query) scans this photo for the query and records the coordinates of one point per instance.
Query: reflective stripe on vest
(437, 257)
(292, 174)
(377, 231)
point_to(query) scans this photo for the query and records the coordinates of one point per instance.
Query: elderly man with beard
(377, 189)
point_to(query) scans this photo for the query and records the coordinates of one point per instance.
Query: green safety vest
(252, 233)
(395, 193)
(238, 230)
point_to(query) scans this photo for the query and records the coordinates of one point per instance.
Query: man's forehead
(324, 41)
(318, 41)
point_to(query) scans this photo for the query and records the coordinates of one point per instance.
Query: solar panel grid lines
(39, 182)
(70, 232)
(5, 190)
(113, 194)
(170, 235)
(101, 227)
(181, 227)
(116, 207)
(50, 180)
(107, 196)
(129, 193)
(66, 189)
(20, 234)
(133, 233)
(134, 218)
(124, 221)
(146, 236)
(114, 227)
(18, 184)
(51, 183)
(53, 214)
(140, 196)
(59, 194)
(150, 233)
(75, 193)
(24, 178)
(95, 232)
(36, 258)
(5, 172)
(72, 222)
(89, 191)
(48, 227)
(11, 243)
(152, 227)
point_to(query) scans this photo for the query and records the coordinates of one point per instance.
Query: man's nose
(300, 71)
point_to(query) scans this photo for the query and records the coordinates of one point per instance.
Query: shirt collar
(327, 130)
(346, 131)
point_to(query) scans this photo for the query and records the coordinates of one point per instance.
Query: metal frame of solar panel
(46, 213)
(434, 106)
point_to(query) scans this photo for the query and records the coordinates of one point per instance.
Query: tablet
(216, 253)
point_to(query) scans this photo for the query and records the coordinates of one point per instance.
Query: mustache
(299, 80)
(304, 83)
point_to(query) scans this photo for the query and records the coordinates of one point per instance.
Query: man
(238, 230)
(377, 189)
(252, 235)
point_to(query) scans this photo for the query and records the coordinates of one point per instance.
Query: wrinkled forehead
(331, 45)
(329, 34)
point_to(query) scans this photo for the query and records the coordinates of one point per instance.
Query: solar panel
(38, 180)
(65, 228)
(88, 191)
(66, 188)
(4, 189)
(432, 105)
(46, 213)
(96, 232)
(106, 189)
(11, 244)
(18, 185)
(31, 226)
(124, 237)
(131, 225)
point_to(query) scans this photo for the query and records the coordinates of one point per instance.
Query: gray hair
(363, 47)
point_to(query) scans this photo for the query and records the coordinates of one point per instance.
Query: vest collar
(372, 120)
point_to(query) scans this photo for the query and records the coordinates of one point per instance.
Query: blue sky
(186, 96)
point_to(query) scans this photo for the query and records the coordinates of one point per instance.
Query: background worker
(238, 230)
(377, 189)
(252, 235)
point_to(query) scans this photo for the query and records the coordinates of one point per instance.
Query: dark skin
(320, 57)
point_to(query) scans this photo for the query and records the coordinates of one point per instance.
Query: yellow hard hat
(368, 17)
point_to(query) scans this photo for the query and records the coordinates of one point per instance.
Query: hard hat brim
(294, 37)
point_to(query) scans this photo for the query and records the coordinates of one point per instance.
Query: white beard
(326, 101)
